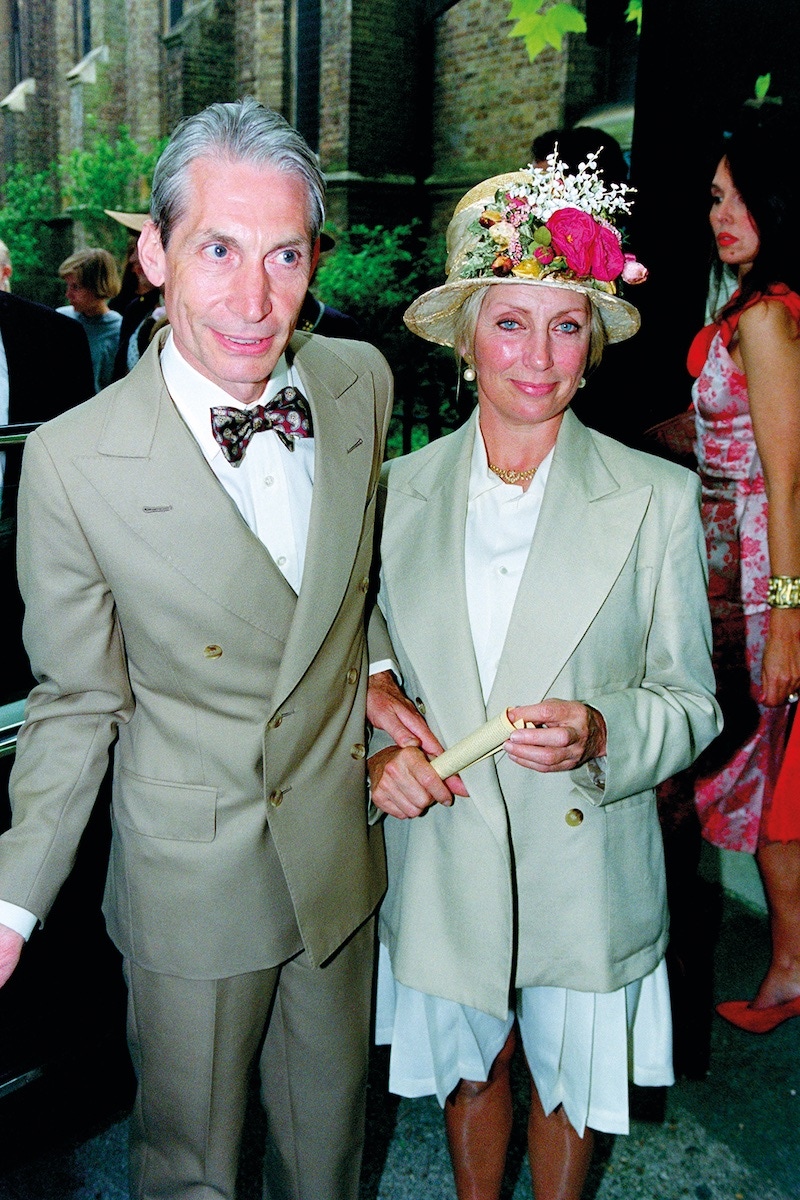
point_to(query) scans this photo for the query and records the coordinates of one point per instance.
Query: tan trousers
(193, 1044)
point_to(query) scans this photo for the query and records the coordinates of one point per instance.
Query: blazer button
(275, 722)
(213, 652)
(276, 798)
(574, 817)
(358, 751)
(421, 709)
(364, 585)
(352, 675)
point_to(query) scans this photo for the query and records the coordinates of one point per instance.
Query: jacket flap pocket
(176, 811)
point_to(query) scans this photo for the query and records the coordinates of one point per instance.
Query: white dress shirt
(501, 521)
(272, 486)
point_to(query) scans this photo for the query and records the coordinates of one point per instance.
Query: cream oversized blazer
(157, 619)
(546, 878)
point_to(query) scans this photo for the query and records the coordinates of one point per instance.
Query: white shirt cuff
(386, 664)
(18, 919)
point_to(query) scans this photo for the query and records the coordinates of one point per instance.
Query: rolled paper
(480, 744)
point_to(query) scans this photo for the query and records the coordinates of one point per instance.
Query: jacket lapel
(427, 542)
(345, 473)
(423, 572)
(586, 529)
(151, 472)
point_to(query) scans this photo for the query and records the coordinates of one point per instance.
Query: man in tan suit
(195, 597)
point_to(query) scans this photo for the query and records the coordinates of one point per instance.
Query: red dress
(737, 776)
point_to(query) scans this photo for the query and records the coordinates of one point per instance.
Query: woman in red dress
(747, 405)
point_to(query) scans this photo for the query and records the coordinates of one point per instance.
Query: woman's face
(531, 345)
(734, 229)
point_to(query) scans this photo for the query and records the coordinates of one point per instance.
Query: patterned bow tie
(287, 414)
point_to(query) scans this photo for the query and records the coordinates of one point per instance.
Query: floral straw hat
(538, 226)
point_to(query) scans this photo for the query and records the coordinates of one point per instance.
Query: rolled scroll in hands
(476, 746)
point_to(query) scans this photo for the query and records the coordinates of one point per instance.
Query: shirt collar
(194, 395)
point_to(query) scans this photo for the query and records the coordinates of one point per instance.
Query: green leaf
(634, 13)
(541, 29)
(762, 85)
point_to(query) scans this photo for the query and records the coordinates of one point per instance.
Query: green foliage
(373, 274)
(113, 174)
(541, 29)
(26, 225)
(634, 13)
(762, 86)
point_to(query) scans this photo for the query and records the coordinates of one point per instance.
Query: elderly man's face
(235, 271)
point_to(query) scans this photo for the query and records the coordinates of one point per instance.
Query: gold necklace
(512, 476)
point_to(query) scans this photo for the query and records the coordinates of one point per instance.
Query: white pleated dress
(582, 1047)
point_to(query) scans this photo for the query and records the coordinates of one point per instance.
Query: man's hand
(560, 735)
(404, 784)
(11, 944)
(388, 709)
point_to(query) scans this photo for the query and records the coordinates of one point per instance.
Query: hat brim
(433, 315)
(132, 221)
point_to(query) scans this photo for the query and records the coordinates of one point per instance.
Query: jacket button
(364, 585)
(574, 817)
(213, 652)
(352, 675)
(358, 751)
(421, 709)
(275, 722)
(276, 798)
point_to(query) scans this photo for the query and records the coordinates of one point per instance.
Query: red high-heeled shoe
(758, 1020)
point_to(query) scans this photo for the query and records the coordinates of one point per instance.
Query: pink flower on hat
(607, 257)
(633, 271)
(573, 233)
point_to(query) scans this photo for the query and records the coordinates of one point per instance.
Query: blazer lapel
(586, 529)
(345, 471)
(423, 571)
(427, 542)
(151, 472)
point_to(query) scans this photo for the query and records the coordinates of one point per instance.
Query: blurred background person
(747, 404)
(318, 317)
(91, 278)
(528, 561)
(574, 146)
(137, 298)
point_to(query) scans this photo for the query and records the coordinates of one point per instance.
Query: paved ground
(734, 1135)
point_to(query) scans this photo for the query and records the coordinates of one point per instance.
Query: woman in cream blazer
(530, 564)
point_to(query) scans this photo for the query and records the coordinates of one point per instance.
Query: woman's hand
(404, 784)
(780, 669)
(559, 735)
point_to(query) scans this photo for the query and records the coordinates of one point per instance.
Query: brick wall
(334, 86)
(489, 100)
(144, 69)
(200, 67)
(259, 41)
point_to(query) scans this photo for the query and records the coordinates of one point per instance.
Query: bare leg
(559, 1158)
(779, 864)
(477, 1117)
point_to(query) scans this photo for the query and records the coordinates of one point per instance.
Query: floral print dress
(737, 775)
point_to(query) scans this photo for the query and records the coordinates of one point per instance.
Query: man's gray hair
(243, 131)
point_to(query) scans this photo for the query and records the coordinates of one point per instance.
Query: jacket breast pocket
(178, 812)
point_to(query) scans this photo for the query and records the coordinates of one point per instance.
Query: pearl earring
(470, 374)
(582, 383)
